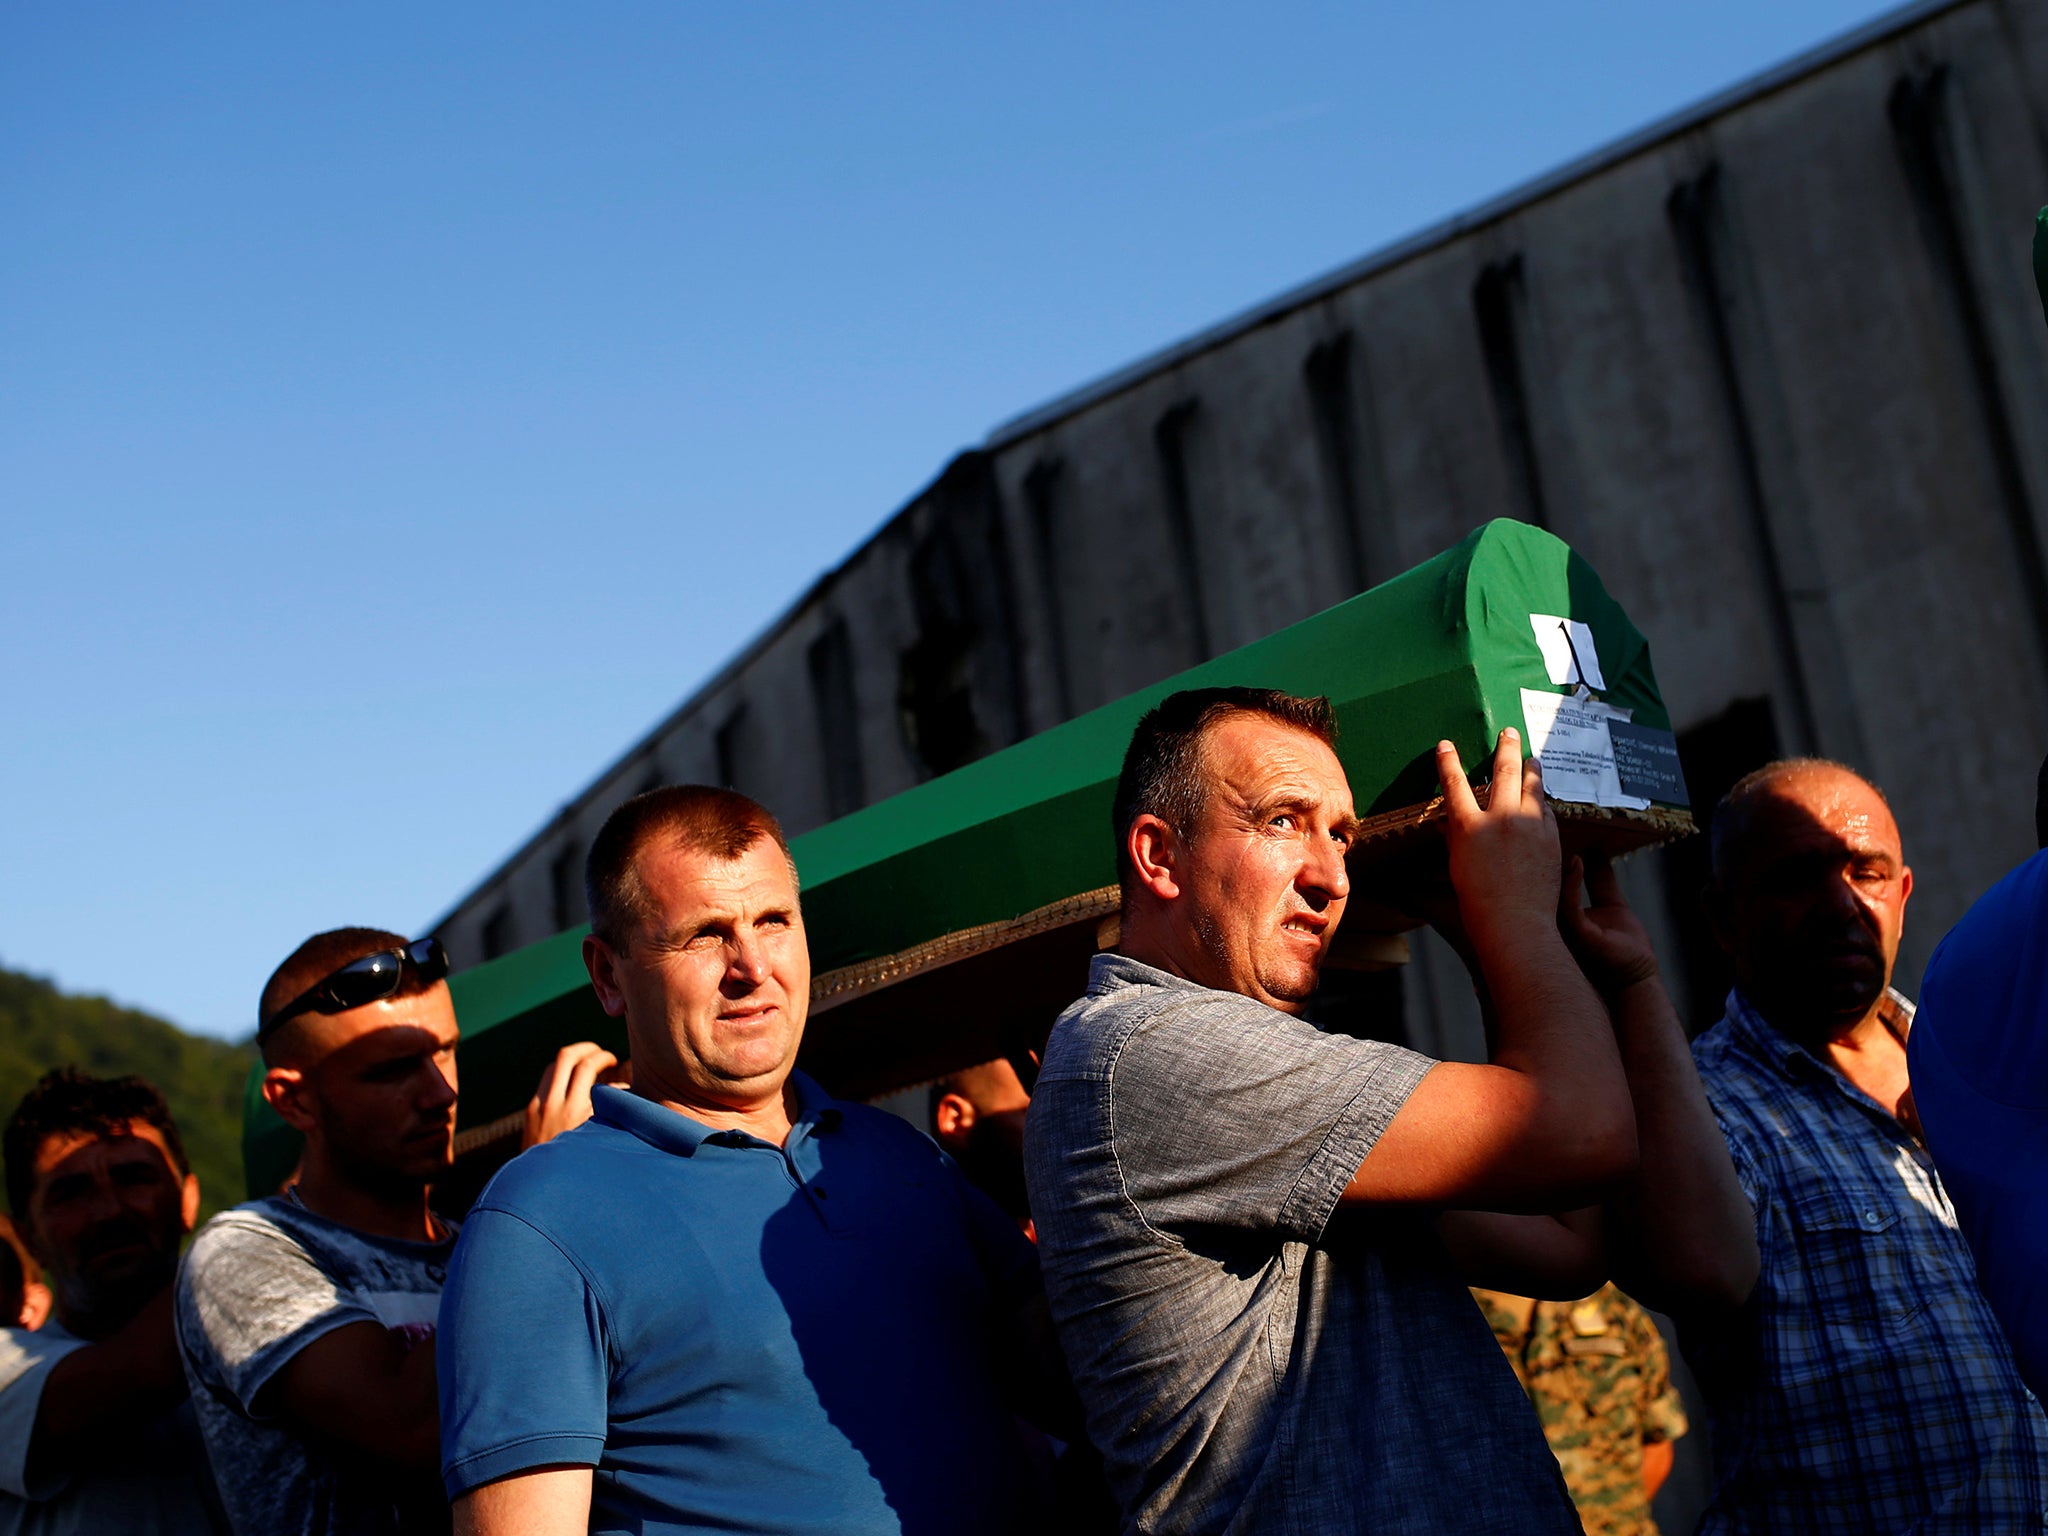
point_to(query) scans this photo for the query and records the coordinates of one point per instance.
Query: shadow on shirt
(895, 1320)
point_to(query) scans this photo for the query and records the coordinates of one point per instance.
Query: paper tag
(1571, 738)
(1569, 654)
(1646, 762)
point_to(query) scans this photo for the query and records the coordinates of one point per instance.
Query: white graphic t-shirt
(260, 1283)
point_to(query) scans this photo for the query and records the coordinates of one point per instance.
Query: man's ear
(1155, 850)
(189, 1201)
(953, 1120)
(284, 1090)
(1905, 886)
(603, 966)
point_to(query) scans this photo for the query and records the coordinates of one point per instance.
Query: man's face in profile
(106, 1214)
(380, 1079)
(980, 1122)
(1262, 878)
(1814, 902)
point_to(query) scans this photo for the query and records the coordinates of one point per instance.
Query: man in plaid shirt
(1864, 1385)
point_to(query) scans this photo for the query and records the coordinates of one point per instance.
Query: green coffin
(954, 920)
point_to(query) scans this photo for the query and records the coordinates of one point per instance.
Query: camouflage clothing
(1599, 1376)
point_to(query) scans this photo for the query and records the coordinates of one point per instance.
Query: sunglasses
(366, 981)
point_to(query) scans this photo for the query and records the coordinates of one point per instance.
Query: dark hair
(720, 822)
(1734, 813)
(67, 1101)
(317, 959)
(1163, 773)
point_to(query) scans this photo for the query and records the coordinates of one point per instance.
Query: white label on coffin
(1569, 655)
(1570, 738)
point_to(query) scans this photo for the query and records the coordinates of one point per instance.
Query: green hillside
(41, 1028)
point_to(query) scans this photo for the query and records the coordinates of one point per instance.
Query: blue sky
(403, 407)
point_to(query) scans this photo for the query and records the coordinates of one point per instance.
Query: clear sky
(402, 407)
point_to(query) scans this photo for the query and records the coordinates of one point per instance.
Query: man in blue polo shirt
(728, 1302)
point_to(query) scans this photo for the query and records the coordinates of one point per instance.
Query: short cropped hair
(68, 1101)
(1163, 773)
(1736, 810)
(982, 1076)
(313, 962)
(722, 823)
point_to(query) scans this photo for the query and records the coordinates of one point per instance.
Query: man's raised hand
(562, 1101)
(1504, 858)
(1545, 1124)
(1606, 938)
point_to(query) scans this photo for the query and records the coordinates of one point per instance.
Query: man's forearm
(1551, 1027)
(125, 1379)
(548, 1501)
(1680, 1233)
(367, 1388)
(1558, 1257)
(1547, 1124)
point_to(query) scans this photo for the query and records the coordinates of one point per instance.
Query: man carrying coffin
(1257, 1235)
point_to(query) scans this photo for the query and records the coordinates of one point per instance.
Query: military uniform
(1600, 1378)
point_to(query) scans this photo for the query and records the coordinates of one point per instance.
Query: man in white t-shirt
(96, 1434)
(303, 1315)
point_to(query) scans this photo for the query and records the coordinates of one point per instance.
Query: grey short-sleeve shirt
(1251, 1357)
(260, 1283)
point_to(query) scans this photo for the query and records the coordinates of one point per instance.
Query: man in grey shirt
(1256, 1235)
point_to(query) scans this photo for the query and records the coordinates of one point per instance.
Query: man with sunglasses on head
(303, 1315)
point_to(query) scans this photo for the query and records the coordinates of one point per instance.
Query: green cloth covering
(1443, 650)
